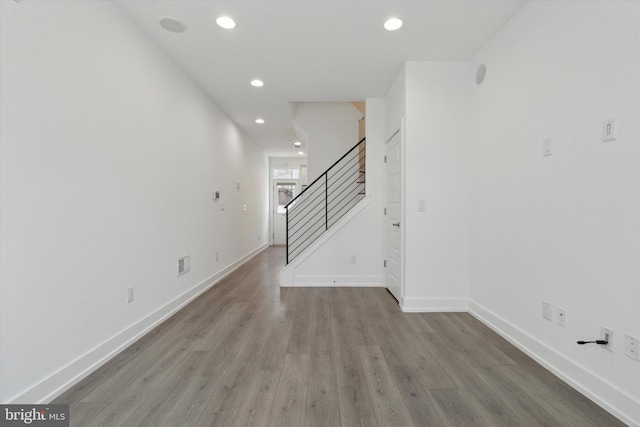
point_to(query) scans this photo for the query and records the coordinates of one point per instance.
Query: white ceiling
(311, 51)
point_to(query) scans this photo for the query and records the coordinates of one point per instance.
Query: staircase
(327, 199)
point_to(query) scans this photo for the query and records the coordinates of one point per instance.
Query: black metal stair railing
(327, 199)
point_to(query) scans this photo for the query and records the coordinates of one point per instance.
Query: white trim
(69, 375)
(426, 305)
(336, 281)
(599, 390)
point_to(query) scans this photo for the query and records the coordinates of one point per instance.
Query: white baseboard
(349, 281)
(426, 305)
(615, 401)
(69, 375)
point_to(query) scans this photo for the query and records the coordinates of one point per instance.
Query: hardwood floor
(250, 353)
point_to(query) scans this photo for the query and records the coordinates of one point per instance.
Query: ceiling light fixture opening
(172, 25)
(297, 144)
(225, 22)
(257, 83)
(393, 24)
(259, 121)
(301, 152)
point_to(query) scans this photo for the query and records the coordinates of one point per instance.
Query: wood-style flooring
(250, 353)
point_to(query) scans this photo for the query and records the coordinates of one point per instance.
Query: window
(286, 193)
(286, 174)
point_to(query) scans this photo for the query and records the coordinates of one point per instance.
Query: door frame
(281, 163)
(399, 129)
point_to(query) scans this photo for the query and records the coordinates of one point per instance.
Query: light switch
(422, 206)
(609, 131)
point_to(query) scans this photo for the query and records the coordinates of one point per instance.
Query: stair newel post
(287, 230)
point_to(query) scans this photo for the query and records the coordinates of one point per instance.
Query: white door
(392, 233)
(283, 193)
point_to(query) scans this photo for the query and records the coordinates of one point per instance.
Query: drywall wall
(563, 228)
(110, 155)
(436, 145)
(330, 129)
(433, 100)
(395, 104)
(330, 263)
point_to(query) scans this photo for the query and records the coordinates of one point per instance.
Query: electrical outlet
(562, 317)
(607, 335)
(632, 347)
(129, 295)
(354, 259)
(546, 310)
(217, 256)
(183, 265)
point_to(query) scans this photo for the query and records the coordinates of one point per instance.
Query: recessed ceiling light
(257, 83)
(259, 121)
(297, 144)
(393, 24)
(225, 22)
(301, 152)
(172, 25)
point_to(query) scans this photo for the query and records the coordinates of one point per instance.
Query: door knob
(396, 224)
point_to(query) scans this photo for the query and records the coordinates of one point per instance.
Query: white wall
(436, 145)
(433, 99)
(396, 103)
(329, 262)
(564, 228)
(331, 129)
(109, 158)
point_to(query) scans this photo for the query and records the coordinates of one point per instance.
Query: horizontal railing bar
(307, 196)
(317, 227)
(350, 162)
(343, 164)
(347, 196)
(335, 202)
(304, 213)
(299, 220)
(313, 219)
(330, 167)
(337, 209)
(343, 180)
(351, 170)
(311, 234)
(320, 205)
(342, 190)
(305, 205)
(345, 202)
